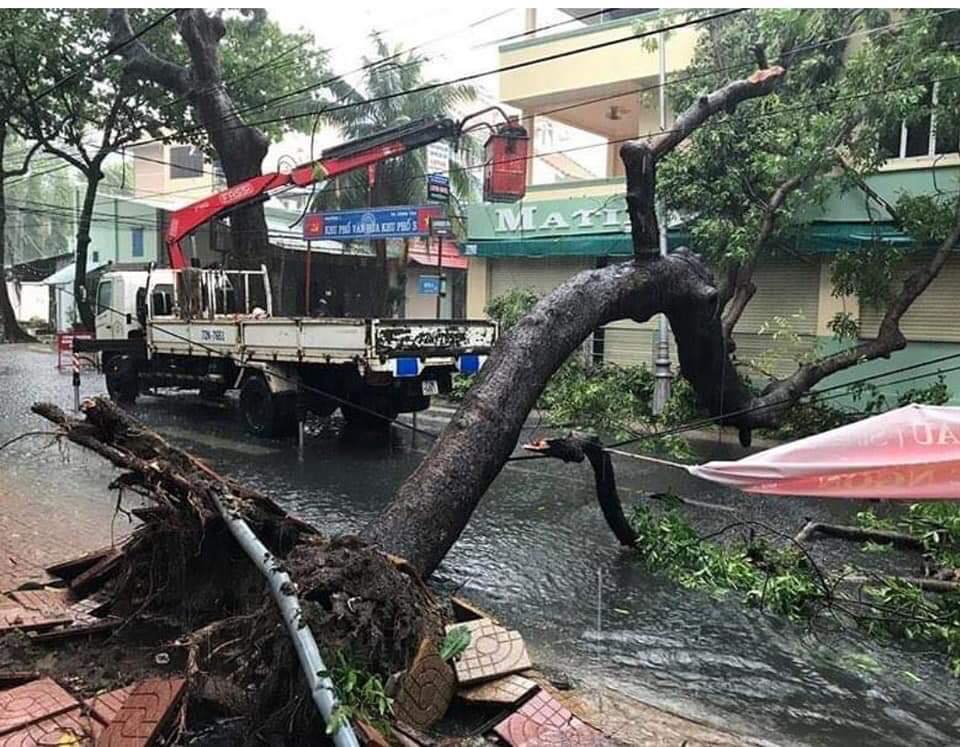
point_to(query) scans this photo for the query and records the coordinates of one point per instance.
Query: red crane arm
(332, 162)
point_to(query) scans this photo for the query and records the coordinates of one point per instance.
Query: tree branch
(141, 61)
(871, 193)
(640, 156)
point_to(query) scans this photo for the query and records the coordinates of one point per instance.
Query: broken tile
(97, 574)
(543, 720)
(426, 690)
(35, 701)
(75, 566)
(505, 690)
(144, 715)
(493, 651)
(10, 679)
(20, 617)
(50, 601)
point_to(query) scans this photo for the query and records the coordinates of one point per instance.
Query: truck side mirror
(129, 318)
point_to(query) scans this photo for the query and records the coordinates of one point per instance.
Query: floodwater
(538, 554)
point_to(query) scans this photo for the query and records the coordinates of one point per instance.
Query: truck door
(109, 323)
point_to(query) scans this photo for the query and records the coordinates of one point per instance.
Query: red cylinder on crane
(505, 167)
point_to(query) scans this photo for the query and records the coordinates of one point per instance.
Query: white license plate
(430, 387)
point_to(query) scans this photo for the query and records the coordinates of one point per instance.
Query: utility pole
(663, 376)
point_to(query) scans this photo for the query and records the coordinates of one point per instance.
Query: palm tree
(374, 107)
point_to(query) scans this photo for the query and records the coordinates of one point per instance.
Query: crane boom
(333, 162)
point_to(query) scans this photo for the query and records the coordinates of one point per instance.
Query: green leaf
(455, 643)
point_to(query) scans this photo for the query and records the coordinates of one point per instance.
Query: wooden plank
(145, 714)
(74, 631)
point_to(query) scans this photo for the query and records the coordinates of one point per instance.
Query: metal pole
(308, 653)
(439, 274)
(663, 376)
(76, 379)
(306, 292)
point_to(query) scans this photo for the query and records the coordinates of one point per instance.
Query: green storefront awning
(818, 238)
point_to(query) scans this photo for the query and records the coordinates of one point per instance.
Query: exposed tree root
(182, 567)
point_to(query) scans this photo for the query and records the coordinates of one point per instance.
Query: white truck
(213, 330)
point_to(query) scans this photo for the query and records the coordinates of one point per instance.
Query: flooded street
(538, 554)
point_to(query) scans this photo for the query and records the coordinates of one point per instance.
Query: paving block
(543, 720)
(106, 706)
(144, 715)
(33, 702)
(505, 690)
(426, 689)
(70, 728)
(493, 651)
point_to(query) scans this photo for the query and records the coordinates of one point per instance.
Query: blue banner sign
(428, 285)
(370, 223)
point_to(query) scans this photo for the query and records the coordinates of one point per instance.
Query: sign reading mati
(371, 223)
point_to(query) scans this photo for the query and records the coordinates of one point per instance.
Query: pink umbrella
(911, 453)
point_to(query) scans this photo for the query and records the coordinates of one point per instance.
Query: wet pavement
(538, 554)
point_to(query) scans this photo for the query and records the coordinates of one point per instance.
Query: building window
(186, 162)
(137, 241)
(924, 135)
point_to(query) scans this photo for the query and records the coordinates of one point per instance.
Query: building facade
(567, 224)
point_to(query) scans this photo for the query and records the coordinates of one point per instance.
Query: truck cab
(116, 307)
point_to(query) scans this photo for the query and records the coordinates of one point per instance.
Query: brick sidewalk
(35, 537)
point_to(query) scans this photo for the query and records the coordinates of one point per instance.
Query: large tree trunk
(10, 329)
(434, 505)
(241, 148)
(80, 297)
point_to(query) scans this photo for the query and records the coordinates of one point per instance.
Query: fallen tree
(356, 591)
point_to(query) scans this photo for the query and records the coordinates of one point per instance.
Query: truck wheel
(266, 414)
(123, 383)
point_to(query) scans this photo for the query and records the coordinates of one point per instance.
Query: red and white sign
(912, 453)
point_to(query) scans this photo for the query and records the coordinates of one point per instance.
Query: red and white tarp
(911, 453)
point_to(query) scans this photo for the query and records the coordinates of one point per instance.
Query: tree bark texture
(10, 329)
(435, 503)
(240, 147)
(80, 296)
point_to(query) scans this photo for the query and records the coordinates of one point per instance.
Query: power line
(656, 86)
(461, 79)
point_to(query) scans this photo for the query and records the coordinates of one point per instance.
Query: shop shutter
(541, 275)
(931, 318)
(787, 288)
(628, 343)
